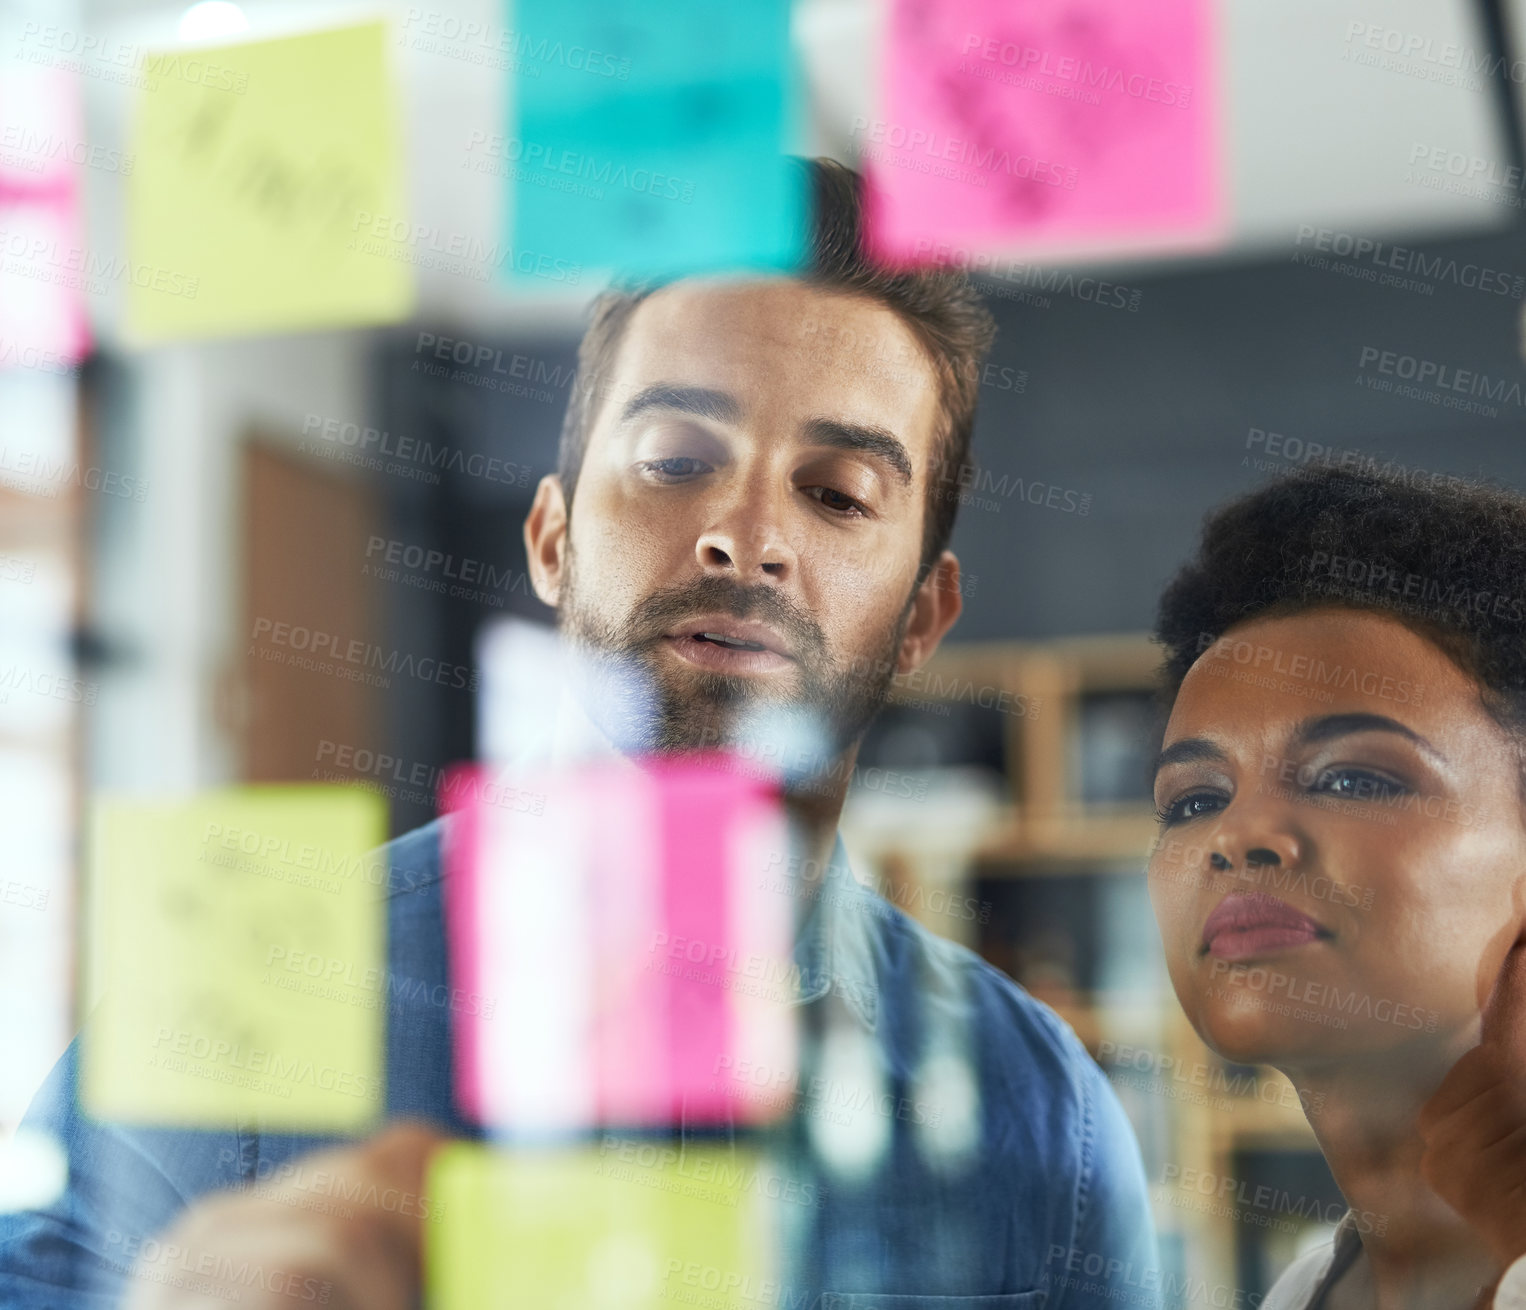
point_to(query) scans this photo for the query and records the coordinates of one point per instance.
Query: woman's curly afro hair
(1447, 557)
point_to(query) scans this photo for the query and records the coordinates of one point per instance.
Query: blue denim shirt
(962, 1149)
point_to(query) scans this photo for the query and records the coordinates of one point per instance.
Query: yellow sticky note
(267, 191)
(621, 1226)
(237, 946)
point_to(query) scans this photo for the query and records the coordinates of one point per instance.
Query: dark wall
(1149, 412)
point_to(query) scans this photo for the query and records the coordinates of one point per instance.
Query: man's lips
(727, 645)
(1246, 924)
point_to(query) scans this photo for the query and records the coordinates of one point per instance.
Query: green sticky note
(620, 1226)
(237, 946)
(267, 190)
(652, 140)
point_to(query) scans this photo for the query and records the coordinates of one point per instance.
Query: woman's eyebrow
(1329, 726)
(1187, 751)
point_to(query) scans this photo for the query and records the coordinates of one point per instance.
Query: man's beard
(645, 703)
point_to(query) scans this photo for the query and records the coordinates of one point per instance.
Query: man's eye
(674, 468)
(1357, 785)
(836, 500)
(1194, 805)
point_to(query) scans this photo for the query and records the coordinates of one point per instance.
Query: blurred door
(306, 596)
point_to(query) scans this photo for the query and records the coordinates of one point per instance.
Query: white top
(1305, 1282)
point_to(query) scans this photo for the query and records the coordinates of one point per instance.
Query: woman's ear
(546, 539)
(934, 607)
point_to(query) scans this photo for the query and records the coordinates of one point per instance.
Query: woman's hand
(1474, 1127)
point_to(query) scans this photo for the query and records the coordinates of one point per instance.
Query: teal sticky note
(651, 140)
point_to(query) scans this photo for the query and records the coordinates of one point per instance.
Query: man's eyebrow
(863, 438)
(702, 402)
(1330, 726)
(1188, 750)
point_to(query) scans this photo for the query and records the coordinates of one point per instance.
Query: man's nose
(747, 541)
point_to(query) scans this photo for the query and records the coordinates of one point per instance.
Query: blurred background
(173, 490)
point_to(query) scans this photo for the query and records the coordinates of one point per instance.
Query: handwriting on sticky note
(196, 910)
(263, 171)
(1045, 126)
(666, 155)
(626, 1225)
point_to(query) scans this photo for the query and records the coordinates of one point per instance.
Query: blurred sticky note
(43, 263)
(237, 941)
(622, 1226)
(268, 191)
(652, 139)
(640, 956)
(1052, 125)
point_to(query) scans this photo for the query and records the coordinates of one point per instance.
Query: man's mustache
(655, 616)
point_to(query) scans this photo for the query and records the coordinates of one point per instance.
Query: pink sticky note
(636, 953)
(1043, 126)
(45, 269)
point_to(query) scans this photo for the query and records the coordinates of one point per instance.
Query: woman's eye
(673, 468)
(1357, 785)
(836, 500)
(1191, 806)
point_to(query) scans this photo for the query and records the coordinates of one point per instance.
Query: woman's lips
(1247, 924)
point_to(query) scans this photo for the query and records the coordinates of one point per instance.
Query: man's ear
(546, 539)
(934, 608)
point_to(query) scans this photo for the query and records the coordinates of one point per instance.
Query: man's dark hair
(1447, 557)
(940, 306)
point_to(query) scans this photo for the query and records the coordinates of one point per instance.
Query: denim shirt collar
(834, 946)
